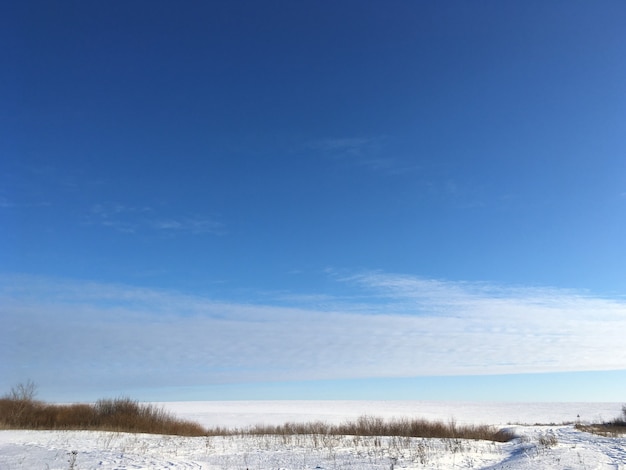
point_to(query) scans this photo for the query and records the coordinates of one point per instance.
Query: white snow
(246, 413)
(553, 446)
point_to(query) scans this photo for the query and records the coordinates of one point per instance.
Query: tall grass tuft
(376, 426)
(120, 414)
(616, 427)
(20, 410)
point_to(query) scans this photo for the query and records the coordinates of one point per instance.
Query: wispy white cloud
(371, 153)
(356, 146)
(120, 217)
(132, 219)
(386, 156)
(194, 225)
(90, 334)
(8, 204)
(509, 329)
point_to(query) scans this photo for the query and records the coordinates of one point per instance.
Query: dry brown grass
(19, 410)
(126, 415)
(375, 426)
(120, 414)
(603, 429)
(617, 427)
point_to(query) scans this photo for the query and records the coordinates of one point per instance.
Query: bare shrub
(23, 392)
(128, 415)
(616, 427)
(548, 440)
(19, 411)
(19, 404)
(376, 426)
(403, 427)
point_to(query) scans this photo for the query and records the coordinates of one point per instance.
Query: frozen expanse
(246, 413)
(538, 447)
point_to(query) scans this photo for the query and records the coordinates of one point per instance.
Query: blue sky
(351, 199)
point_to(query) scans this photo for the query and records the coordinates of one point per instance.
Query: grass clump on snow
(375, 426)
(615, 427)
(20, 410)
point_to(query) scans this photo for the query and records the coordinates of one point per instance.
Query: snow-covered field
(554, 446)
(246, 413)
